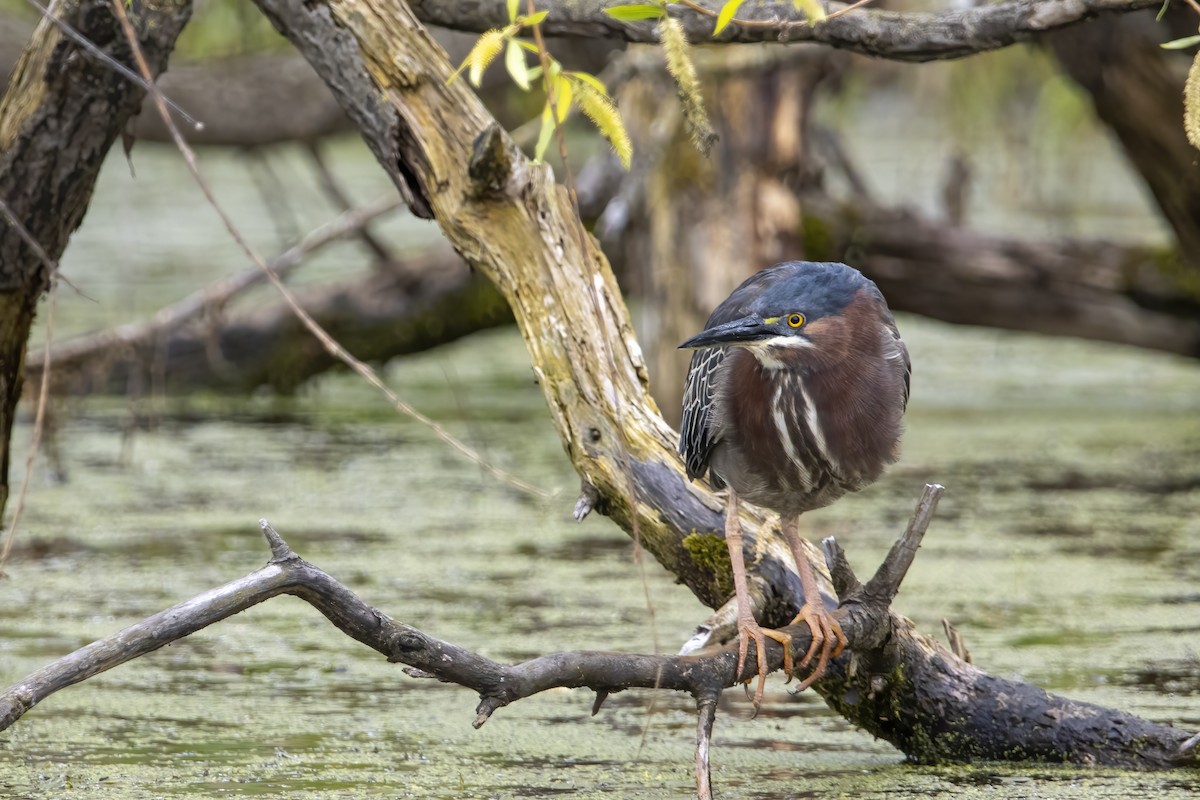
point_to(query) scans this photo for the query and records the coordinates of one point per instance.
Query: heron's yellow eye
(795, 320)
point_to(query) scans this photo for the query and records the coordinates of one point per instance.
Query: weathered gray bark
(60, 115)
(897, 35)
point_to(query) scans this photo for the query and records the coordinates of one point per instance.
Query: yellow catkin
(483, 53)
(604, 115)
(679, 64)
(1191, 103)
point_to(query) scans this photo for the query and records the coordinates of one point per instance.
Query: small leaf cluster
(679, 61)
(812, 9)
(565, 89)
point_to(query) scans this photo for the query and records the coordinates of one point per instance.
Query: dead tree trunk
(517, 227)
(60, 115)
(706, 224)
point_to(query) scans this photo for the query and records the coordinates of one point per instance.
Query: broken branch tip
(279, 548)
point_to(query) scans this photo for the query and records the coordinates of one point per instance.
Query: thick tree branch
(410, 307)
(896, 35)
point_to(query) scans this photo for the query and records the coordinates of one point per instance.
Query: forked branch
(497, 684)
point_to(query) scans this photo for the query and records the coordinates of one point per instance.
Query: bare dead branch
(875, 634)
(498, 685)
(706, 713)
(886, 581)
(896, 35)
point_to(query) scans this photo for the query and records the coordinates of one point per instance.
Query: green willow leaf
(1181, 44)
(588, 78)
(514, 62)
(562, 97)
(727, 13)
(635, 12)
(546, 135)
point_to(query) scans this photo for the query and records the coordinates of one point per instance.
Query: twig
(886, 582)
(342, 202)
(328, 342)
(841, 12)
(706, 713)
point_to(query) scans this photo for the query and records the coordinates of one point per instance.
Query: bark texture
(60, 115)
(897, 35)
(1137, 90)
(517, 227)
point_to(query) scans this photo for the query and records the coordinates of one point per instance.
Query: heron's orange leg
(828, 640)
(748, 627)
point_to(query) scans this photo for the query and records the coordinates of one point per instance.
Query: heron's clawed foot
(749, 629)
(828, 641)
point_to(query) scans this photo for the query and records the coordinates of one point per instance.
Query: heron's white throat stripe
(765, 349)
(814, 427)
(779, 408)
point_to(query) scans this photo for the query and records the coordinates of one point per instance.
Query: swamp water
(1066, 551)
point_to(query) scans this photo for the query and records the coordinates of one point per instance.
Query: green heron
(794, 397)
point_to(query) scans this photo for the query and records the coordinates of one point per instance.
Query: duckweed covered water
(1065, 551)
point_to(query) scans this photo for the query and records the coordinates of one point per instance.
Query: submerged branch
(90, 352)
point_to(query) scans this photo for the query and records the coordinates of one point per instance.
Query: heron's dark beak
(747, 329)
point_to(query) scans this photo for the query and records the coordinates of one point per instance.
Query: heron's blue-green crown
(813, 288)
